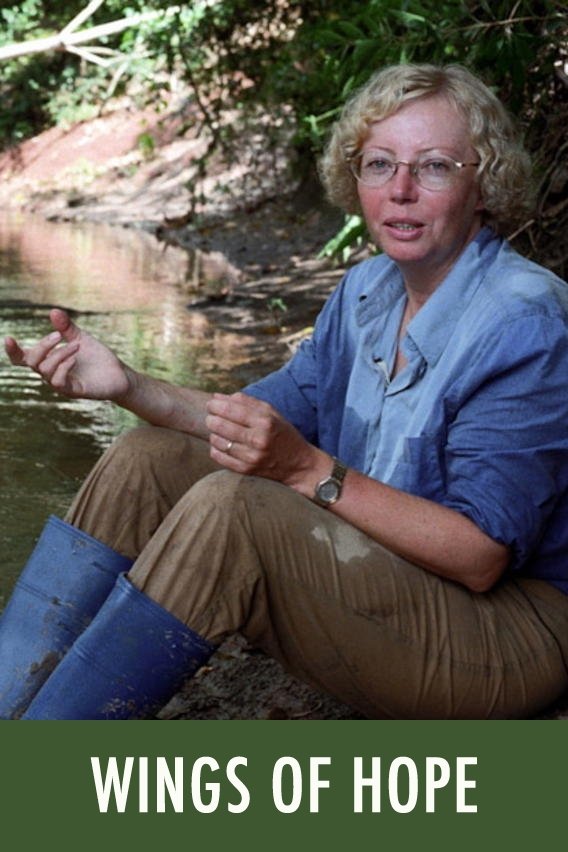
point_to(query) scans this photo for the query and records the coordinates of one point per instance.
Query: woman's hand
(72, 362)
(249, 436)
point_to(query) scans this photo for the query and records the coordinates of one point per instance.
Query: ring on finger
(229, 446)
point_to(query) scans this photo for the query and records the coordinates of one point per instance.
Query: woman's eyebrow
(378, 148)
(428, 150)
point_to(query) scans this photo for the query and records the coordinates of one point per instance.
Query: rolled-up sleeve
(506, 451)
(309, 391)
(292, 390)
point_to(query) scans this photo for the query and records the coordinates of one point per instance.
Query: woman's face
(424, 231)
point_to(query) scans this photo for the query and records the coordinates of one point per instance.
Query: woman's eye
(436, 167)
(377, 165)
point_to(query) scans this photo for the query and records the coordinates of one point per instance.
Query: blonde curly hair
(504, 171)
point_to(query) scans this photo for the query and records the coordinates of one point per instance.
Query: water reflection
(121, 286)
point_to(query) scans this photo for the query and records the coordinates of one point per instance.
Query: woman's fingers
(227, 422)
(62, 322)
(232, 447)
(34, 355)
(226, 430)
(51, 363)
(60, 380)
(228, 408)
(251, 441)
(239, 407)
(220, 447)
(48, 358)
(14, 351)
(237, 416)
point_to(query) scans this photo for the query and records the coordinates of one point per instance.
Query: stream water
(122, 287)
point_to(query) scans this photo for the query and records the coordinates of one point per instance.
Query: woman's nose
(403, 184)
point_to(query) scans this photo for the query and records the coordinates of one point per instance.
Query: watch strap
(338, 471)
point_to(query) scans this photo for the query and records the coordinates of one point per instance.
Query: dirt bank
(252, 240)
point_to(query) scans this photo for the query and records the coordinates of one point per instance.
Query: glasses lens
(373, 168)
(436, 172)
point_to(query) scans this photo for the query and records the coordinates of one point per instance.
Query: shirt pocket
(421, 469)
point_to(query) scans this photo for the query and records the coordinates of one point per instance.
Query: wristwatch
(328, 491)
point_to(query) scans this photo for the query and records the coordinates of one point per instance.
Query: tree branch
(82, 16)
(66, 38)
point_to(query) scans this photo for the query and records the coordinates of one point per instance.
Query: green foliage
(350, 235)
(513, 45)
(277, 304)
(307, 54)
(41, 89)
(147, 145)
(286, 62)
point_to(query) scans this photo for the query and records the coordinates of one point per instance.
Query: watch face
(328, 491)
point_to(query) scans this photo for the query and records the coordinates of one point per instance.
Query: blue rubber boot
(127, 664)
(67, 578)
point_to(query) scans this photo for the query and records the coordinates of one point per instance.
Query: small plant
(276, 304)
(277, 308)
(146, 145)
(350, 236)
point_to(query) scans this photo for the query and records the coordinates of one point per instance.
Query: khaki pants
(228, 553)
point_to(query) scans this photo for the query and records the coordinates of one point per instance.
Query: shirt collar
(434, 323)
(381, 293)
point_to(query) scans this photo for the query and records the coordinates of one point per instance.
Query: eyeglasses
(436, 172)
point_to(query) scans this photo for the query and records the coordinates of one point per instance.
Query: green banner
(284, 785)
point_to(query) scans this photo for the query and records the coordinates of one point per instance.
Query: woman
(387, 514)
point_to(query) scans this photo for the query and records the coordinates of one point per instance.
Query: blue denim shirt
(477, 420)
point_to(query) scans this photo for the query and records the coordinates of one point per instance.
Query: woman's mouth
(404, 228)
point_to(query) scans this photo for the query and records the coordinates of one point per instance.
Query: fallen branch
(82, 17)
(69, 38)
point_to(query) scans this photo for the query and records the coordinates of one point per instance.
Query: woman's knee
(136, 483)
(220, 489)
(260, 510)
(146, 444)
(156, 459)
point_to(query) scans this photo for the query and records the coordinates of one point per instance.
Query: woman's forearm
(163, 404)
(425, 533)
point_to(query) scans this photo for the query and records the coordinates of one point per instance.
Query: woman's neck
(414, 301)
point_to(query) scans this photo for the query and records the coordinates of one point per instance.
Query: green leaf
(330, 38)
(352, 231)
(350, 29)
(410, 17)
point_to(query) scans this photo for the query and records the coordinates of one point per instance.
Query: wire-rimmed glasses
(432, 171)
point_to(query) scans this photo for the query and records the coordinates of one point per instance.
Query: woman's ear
(480, 205)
